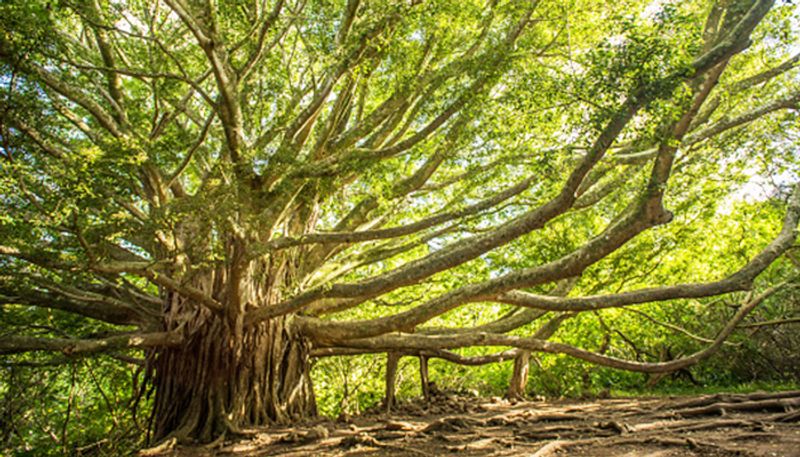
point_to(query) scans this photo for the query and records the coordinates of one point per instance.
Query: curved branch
(650, 213)
(570, 265)
(673, 327)
(766, 75)
(515, 319)
(144, 269)
(368, 235)
(788, 320)
(67, 346)
(431, 353)
(739, 280)
(94, 307)
(427, 343)
(640, 216)
(792, 101)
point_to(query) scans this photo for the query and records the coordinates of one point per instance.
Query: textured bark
(218, 382)
(519, 378)
(226, 376)
(392, 358)
(424, 379)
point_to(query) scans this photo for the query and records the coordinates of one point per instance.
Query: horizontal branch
(516, 318)
(94, 306)
(673, 327)
(68, 346)
(766, 75)
(616, 235)
(403, 341)
(790, 101)
(637, 218)
(145, 269)
(141, 268)
(476, 360)
(450, 356)
(470, 248)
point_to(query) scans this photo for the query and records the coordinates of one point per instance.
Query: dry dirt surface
(759, 424)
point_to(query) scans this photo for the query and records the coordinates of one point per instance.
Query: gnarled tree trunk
(218, 381)
(227, 376)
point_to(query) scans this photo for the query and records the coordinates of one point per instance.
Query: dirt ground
(760, 424)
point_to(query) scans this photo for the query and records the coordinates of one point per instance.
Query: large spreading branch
(401, 341)
(470, 248)
(18, 344)
(740, 280)
(88, 304)
(403, 230)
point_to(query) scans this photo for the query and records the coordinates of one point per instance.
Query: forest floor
(759, 424)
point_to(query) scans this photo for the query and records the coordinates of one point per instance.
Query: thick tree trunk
(227, 376)
(218, 382)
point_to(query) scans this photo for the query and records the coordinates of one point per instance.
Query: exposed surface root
(732, 398)
(756, 425)
(778, 404)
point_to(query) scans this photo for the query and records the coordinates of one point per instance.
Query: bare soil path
(759, 424)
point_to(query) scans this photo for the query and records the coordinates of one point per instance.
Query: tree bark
(392, 358)
(519, 379)
(218, 382)
(423, 378)
(227, 376)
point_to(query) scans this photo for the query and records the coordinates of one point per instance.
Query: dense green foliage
(334, 169)
(87, 407)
